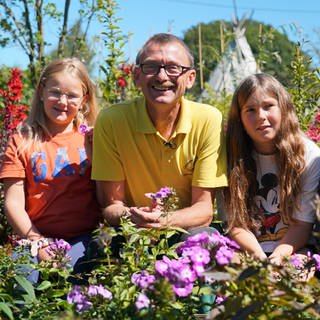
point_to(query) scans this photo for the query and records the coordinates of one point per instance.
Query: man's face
(161, 89)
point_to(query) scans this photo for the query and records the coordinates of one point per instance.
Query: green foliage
(22, 24)
(251, 290)
(76, 45)
(222, 102)
(259, 290)
(118, 84)
(305, 87)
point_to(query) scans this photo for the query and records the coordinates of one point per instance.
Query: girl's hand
(45, 254)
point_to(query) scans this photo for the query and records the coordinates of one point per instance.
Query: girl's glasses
(56, 95)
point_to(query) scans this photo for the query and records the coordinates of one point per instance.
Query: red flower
(13, 112)
(122, 82)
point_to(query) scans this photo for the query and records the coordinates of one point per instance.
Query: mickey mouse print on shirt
(268, 200)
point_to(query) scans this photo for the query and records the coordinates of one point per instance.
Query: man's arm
(111, 198)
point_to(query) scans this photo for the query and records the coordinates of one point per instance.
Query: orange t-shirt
(60, 196)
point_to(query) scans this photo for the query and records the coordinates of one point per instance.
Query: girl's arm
(295, 238)
(247, 242)
(14, 205)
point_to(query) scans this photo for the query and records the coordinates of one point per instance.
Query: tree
(22, 23)
(272, 49)
(76, 45)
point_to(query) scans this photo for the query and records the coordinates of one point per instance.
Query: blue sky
(143, 18)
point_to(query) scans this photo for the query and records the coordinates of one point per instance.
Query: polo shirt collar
(145, 125)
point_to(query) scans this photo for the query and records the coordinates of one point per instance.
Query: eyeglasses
(54, 94)
(170, 69)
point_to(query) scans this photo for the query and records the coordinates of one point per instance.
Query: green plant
(305, 87)
(118, 84)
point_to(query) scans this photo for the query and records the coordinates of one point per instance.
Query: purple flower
(76, 296)
(220, 299)
(101, 290)
(296, 261)
(182, 291)
(224, 255)
(198, 269)
(83, 129)
(143, 279)
(60, 245)
(187, 274)
(217, 239)
(200, 255)
(85, 304)
(162, 268)
(142, 301)
(316, 258)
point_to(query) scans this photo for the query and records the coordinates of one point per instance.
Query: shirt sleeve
(106, 164)
(310, 181)
(12, 164)
(211, 165)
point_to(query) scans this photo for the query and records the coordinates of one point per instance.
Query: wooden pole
(200, 57)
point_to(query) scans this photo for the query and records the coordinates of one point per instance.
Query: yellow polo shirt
(128, 147)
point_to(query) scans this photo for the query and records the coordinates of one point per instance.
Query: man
(159, 140)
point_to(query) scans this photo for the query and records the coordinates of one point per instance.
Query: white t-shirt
(268, 195)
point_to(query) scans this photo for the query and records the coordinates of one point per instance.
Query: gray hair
(164, 38)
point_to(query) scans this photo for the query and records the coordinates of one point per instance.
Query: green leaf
(6, 309)
(44, 285)
(248, 273)
(27, 286)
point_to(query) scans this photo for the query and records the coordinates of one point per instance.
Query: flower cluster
(144, 281)
(221, 248)
(60, 248)
(314, 129)
(84, 298)
(83, 129)
(165, 199)
(197, 253)
(125, 72)
(13, 112)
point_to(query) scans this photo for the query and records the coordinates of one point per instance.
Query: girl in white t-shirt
(273, 172)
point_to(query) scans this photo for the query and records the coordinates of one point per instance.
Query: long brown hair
(242, 171)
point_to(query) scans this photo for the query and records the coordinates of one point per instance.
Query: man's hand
(145, 217)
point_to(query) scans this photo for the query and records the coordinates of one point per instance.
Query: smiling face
(261, 118)
(162, 90)
(62, 98)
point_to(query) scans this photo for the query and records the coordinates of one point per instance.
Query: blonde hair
(242, 171)
(34, 128)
